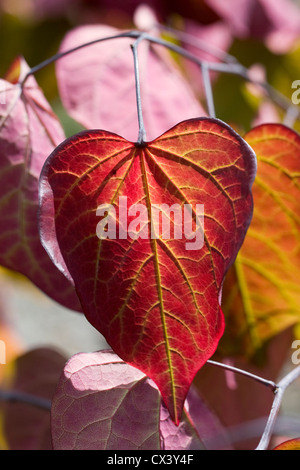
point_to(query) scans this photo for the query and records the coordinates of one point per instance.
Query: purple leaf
(29, 132)
(102, 403)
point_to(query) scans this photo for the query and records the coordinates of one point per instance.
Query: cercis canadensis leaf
(262, 289)
(293, 444)
(29, 132)
(102, 403)
(154, 294)
(93, 78)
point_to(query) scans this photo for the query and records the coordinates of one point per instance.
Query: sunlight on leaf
(261, 293)
(293, 444)
(155, 298)
(90, 80)
(102, 403)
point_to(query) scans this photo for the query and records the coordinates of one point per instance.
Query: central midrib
(158, 279)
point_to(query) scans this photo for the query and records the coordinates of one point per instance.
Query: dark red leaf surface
(156, 301)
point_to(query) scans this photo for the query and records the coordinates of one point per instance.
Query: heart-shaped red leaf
(155, 296)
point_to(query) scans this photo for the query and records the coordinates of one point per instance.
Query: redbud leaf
(292, 444)
(154, 295)
(29, 132)
(102, 403)
(261, 292)
(93, 78)
(32, 378)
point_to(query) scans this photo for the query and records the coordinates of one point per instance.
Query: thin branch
(229, 66)
(278, 390)
(268, 383)
(208, 91)
(190, 40)
(281, 388)
(60, 55)
(20, 397)
(292, 114)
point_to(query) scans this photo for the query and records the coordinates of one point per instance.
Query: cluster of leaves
(160, 308)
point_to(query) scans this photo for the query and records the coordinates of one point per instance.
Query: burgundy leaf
(29, 132)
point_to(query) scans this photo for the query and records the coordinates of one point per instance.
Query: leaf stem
(280, 390)
(142, 131)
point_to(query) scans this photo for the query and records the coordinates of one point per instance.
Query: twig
(228, 66)
(20, 397)
(278, 390)
(281, 388)
(61, 55)
(208, 91)
(268, 383)
(190, 40)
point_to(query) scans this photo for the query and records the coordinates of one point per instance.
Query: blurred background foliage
(35, 29)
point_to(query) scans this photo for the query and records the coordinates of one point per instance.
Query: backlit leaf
(29, 132)
(262, 293)
(293, 444)
(102, 403)
(90, 80)
(154, 295)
